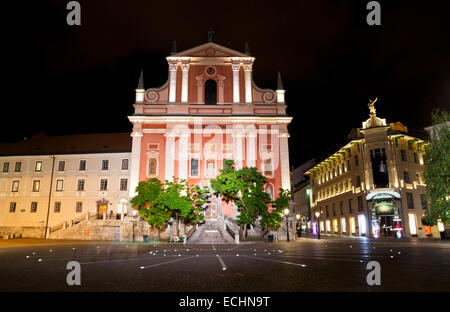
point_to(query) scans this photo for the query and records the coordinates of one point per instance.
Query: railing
(231, 232)
(63, 225)
(191, 232)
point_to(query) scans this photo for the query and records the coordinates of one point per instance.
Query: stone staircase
(211, 232)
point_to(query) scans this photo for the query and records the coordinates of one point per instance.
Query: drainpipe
(49, 196)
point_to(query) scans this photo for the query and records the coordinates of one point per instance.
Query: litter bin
(145, 238)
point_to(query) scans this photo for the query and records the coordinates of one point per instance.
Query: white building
(48, 180)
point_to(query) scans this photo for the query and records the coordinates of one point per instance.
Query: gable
(210, 49)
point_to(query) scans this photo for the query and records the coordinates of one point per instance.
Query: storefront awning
(383, 194)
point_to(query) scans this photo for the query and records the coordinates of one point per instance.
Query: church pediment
(210, 49)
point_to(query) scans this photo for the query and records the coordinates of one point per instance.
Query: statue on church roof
(211, 35)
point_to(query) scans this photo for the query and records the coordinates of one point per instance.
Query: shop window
(410, 200)
(360, 203)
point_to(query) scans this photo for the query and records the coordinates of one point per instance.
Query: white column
(284, 161)
(172, 81)
(183, 156)
(184, 82)
(135, 159)
(251, 149)
(237, 142)
(169, 159)
(235, 67)
(248, 82)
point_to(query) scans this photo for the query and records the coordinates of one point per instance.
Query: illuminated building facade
(208, 111)
(374, 184)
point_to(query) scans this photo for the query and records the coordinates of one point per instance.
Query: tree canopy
(245, 188)
(158, 202)
(437, 169)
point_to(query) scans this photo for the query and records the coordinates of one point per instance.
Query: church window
(210, 92)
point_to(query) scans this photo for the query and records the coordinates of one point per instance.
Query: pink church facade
(208, 111)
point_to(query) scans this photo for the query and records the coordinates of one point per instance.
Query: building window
(360, 203)
(341, 204)
(18, 166)
(416, 158)
(12, 207)
(348, 165)
(210, 92)
(358, 181)
(194, 167)
(103, 185)
(15, 186)
(61, 165)
(105, 164)
(334, 210)
(80, 185)
(123, 184)
(57, 207)
(38, 166)
(6, 167)
(350, 205)
(33, 207)
(59, 185)
(326, 211)
(36, 185)
(210, 168)
(356, 160)
(403, 155)
(152, 166)
(82, 166)
(342, 168)
(409, 200)
(124, 164)
(79, 207)
(423, 200)
(268, 167)
(406, 177)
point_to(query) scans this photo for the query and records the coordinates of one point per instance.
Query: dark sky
(79, 79)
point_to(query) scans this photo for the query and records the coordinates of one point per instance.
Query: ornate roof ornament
(373, 121)
(174, 48)
(211, 35)
(373, 111)
(279, 82)
(141, 80)
(247, 49)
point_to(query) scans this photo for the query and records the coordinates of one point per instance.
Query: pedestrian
(270, 236)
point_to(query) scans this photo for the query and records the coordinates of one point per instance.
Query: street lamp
(298, 225)
(286, 213)
(318, 226)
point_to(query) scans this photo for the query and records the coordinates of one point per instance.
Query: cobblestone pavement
(301, 265)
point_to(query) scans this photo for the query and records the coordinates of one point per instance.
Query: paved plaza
(304, 265)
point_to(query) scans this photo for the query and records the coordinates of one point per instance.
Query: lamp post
(318, 224)
(286, 213)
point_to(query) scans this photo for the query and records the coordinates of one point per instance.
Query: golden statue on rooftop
(373, 111)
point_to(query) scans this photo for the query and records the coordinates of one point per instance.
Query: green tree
(158, 202)
(437, 169)
(270, 220)
(148, 202)
(245, 187)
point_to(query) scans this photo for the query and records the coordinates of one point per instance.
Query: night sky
(81, 79)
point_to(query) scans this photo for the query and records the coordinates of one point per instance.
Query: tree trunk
(178, 226)
(159, 233)
(264, 233)
(244, 232)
